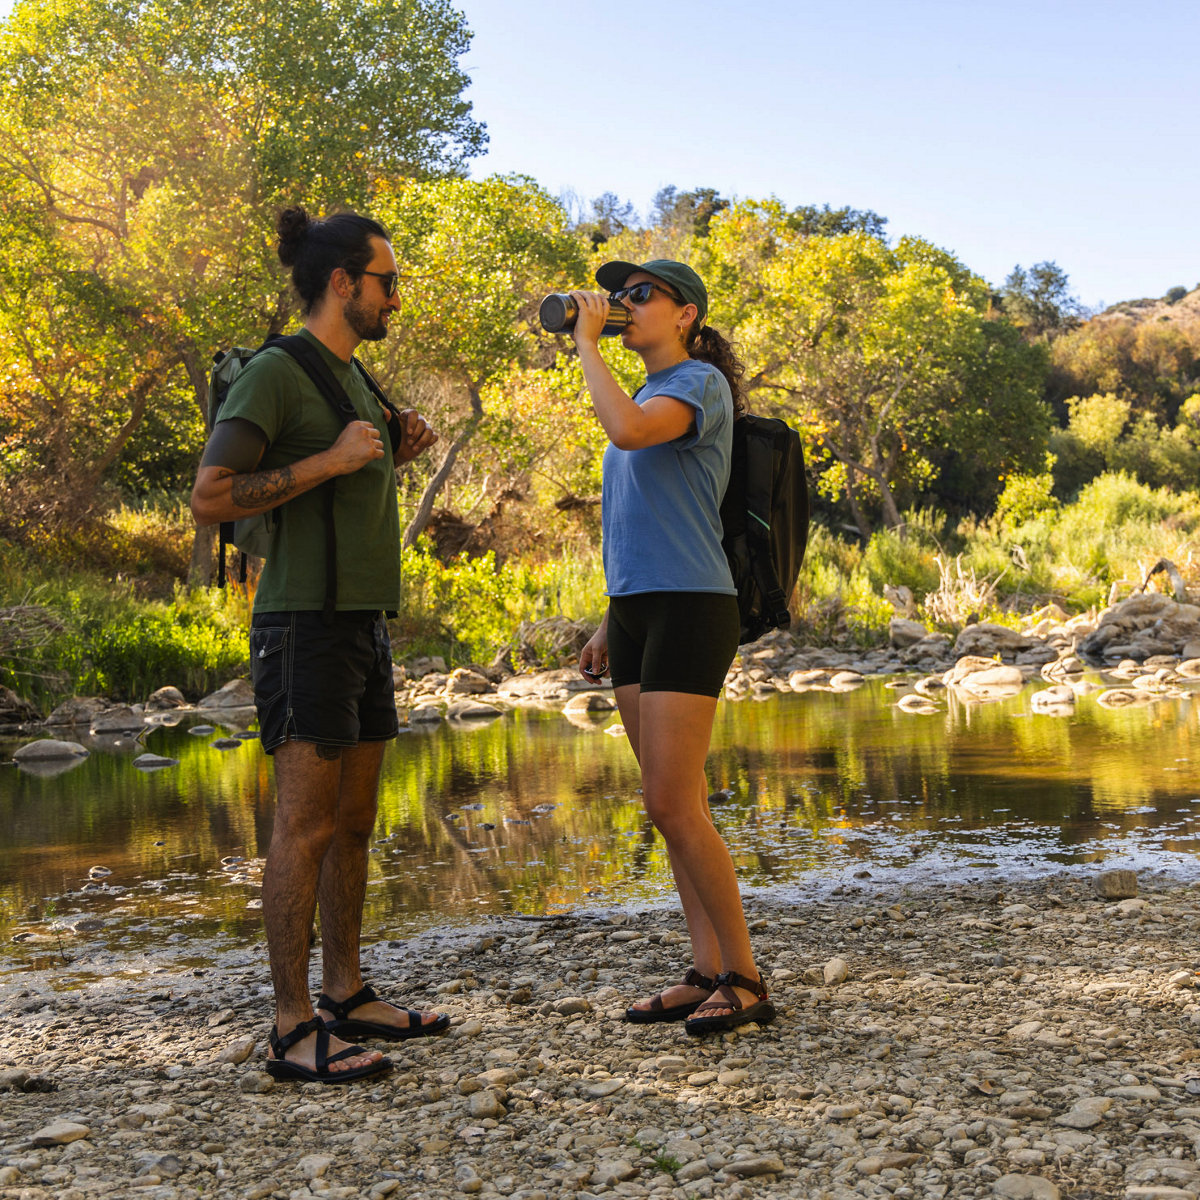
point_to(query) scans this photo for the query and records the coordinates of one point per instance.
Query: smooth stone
(1026, 1187)
(470, 710)
(60, 1133)
(49, 750)
(613, 1172)
(605, 1087)
(425, 714)
(587, 702)
(166, 698)
(314, 1166)
(836, 970)
(237, 1052)
(256, 1082)
(154, 762)
(1116, 885)
(484, 1105)
(762, 1164)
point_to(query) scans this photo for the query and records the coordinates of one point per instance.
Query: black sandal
(346, 1026)
(762, 1011)
(677, 1012)
(279, 1067)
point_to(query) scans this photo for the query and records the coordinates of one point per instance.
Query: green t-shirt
(276, 394)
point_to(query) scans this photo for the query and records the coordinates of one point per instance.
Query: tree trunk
(201, 569)
(425, 508)
(860, 519)
(891, 513)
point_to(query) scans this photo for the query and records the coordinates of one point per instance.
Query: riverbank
(981, 1032)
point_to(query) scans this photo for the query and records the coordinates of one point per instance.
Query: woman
(671, 629)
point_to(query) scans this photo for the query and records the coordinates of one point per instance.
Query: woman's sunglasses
(639, 293)
(391, 281)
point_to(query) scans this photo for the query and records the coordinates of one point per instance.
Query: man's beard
(366, 323)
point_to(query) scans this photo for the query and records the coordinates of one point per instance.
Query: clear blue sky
(1008, 133)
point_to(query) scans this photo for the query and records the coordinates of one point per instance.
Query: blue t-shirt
(661, 506)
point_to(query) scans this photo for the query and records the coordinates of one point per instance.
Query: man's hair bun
(292, 227)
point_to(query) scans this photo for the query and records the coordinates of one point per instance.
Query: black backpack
(764, 514)
(252, 535)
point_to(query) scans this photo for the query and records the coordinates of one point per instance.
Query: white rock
(314, 1166)
(836, 970)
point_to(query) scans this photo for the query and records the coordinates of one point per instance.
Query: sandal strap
(693, 978)
(733, 979)
(341, 1009)
(728, 998)
(281, 1045)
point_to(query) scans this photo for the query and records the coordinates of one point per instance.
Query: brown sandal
(762, 1011)
(677, 1012)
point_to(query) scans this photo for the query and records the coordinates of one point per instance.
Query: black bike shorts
(328, 684)
(672, 641)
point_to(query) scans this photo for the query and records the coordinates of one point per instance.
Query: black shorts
(328, 684)
(672, 641)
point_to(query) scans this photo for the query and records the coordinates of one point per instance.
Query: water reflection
(534, 813)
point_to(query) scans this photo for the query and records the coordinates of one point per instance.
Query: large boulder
(237, 693)
(902, 632)
(984, 679)
(166, 698)
(1143, 626)
(121, 719)
(465, 682)
(79, 710)
(986, 639)
(49, 750)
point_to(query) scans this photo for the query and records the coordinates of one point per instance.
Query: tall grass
(102, 628)
(469, 610)
(1033, 551)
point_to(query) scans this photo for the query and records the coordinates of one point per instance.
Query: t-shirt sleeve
(701, 390)
(261, 394)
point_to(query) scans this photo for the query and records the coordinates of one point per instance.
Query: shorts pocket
(269, 662)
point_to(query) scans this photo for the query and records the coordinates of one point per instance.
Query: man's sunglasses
(639, 293)
(391, 281)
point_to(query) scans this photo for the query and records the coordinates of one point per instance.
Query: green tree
(476, 258)
(688, 213)
(887, 356)
(1038, 301)
(144, 145)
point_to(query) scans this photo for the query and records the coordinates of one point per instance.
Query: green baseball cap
(679, 275)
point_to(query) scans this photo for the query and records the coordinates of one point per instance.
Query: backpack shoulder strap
(315, 367)
(394, 425)
(760, 485)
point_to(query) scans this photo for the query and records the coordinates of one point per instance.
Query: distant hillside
(1185, 311)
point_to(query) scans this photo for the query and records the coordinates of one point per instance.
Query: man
(320, 654)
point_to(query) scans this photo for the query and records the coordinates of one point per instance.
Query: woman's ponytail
(707, 345)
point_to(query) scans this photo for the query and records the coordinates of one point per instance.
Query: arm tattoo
(265, 489)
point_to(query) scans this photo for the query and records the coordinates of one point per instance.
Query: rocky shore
(1032, 1040)
(1146, 647)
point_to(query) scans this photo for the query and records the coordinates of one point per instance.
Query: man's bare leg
(306, 786)
(342, 889)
